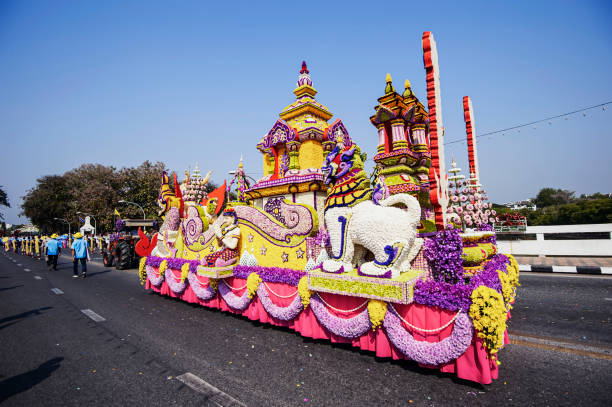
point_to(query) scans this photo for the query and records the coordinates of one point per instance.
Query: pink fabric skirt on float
(474, 364)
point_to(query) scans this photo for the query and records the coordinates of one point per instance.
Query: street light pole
(134, 203)
(94, 218)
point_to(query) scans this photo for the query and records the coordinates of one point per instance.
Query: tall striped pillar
(399, 136)
(470, 130)
(381, 138)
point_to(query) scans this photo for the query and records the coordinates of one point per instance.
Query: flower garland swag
(203, 292)
(346, 327)
(429, 353)
(238, 303)
(153, 277)
(283, 313)
(176, 287)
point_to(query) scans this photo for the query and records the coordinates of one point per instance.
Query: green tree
(3, 201)
(93, 189)
(49, 199)
(141, 185)
(551, 196)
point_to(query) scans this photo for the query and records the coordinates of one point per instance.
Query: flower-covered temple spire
(389, 87)
(304, 78)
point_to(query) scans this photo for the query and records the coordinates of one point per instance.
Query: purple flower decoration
(283, 313)
(270, 274)
(192, 226)
(429, 353)
(119, 225)
(233, 301)
(344, 327)
(443, 252)
(173, 219)
(153, 277)
(444, 295)
(176, 287)
(154, 261)
(204, 293)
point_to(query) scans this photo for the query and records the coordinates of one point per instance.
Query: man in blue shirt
(52, 250)
(79, 253)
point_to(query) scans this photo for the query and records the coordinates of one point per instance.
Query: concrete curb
(565, 269)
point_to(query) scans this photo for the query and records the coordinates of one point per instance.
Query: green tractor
(120, 251)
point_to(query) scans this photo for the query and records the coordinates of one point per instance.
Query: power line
(532, 123)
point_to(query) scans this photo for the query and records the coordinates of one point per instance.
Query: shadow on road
(23, 315)
(10, 288)
(25, 381)
(95, 273)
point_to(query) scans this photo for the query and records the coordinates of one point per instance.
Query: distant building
(515, 206)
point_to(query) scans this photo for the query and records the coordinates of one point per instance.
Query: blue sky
(121, 82)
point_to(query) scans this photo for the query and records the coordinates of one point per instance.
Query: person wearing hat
(52, 250)
(79, 253)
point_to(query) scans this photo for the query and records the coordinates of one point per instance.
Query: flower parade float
(316, 245)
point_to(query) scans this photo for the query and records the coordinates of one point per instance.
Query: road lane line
(57, 291)
(217, 396)
(26, 269)
(608, 299)
(560, 346)
(93, 315)
(38, 277)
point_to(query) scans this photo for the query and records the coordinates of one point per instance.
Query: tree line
(93, 189)
(563, 207)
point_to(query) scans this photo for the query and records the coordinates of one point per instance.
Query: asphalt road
(54, 354)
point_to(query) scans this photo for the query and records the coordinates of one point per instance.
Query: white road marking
(38, 277)
(564, 269)
(26, 269)
(57, 291)
(214, 394)
(93, 315)
(608, 299)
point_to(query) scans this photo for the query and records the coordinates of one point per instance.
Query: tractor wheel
(107, 259)
(123, 253)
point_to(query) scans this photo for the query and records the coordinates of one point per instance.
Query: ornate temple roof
(305, 102)
(393, 105)
(304, 119)
(295, 145)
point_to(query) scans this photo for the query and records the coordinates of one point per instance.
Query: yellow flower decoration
(488, 313)
(162, 268)
(253, 281)
(184, 272)
(509, 281)
(304, 292)
(377, 310)
(213, 283)
(142, 270)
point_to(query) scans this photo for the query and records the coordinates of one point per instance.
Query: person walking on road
(79, 254)
(52, 249)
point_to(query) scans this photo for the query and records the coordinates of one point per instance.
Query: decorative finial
(453, 163)
(407, 89)
(304, 78)
(240, 165)
(389, 88)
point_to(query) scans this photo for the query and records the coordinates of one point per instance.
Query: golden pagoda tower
(294, 149)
